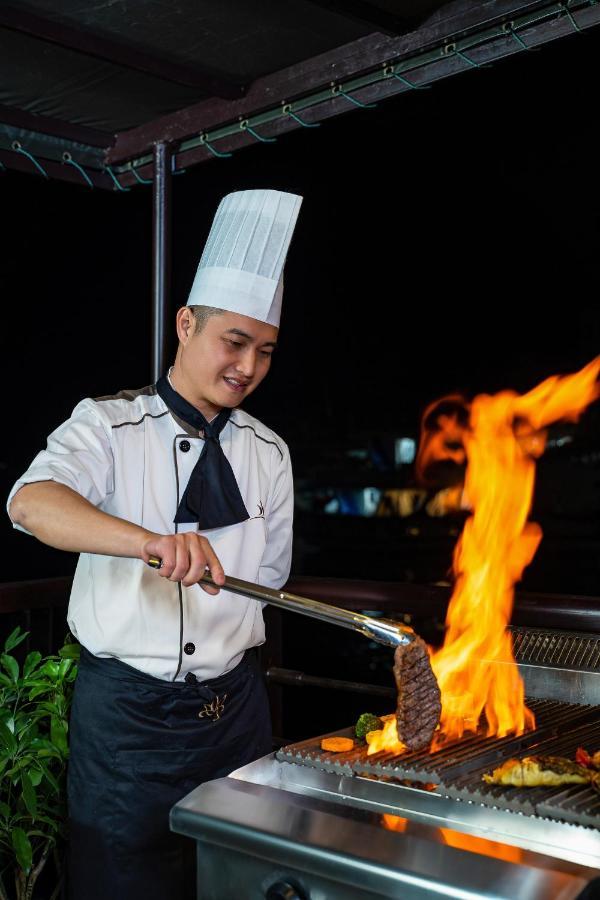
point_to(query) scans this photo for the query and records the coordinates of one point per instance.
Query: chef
(168, 694)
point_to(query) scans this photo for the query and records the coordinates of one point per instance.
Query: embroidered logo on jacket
(261, 511)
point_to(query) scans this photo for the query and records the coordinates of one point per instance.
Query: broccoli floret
(367, 722)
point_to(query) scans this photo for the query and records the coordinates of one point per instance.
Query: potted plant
(34, 709)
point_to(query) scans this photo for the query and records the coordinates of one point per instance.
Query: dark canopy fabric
(89, 88)
(227, 43)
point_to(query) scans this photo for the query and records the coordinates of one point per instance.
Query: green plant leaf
(58, 733)
(7, 740)
(5, 680)
(51, 823)
(31, 661)
(14, 639)
(50, 668)
(4, 810)
(29, 796)
(49, 754)
(50, 777)
(11, 666)
(48, 707)
(36, 776)
(25, 729)
(41, 688)
(35, 832)
(64, 666)
(22, 847)
(70, 651)
(39, 744)
(24, 761)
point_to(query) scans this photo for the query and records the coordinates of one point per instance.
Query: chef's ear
(186, 324)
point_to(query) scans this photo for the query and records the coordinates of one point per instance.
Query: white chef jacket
(129, 457)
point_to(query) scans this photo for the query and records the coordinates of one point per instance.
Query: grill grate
(549, 648)
(457, 766)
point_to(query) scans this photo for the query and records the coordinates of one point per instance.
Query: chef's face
(224, 362)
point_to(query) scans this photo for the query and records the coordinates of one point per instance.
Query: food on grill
(367, 722)
(536, 771)
(419, 705)
(590, 761)
(337, 744)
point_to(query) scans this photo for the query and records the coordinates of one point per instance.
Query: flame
(475, 667)
(386, 738)
(394, 823)
(483, 846)
(458, 839)
(443, 426)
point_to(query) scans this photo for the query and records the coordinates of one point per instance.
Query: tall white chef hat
(241, 269)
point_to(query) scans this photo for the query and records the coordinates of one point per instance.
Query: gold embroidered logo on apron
(214, 709)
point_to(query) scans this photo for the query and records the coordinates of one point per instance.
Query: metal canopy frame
(357, 75)
(458, 36)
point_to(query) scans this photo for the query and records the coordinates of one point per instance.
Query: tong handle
(383, 631)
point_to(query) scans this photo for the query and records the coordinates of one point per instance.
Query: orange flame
(386, 738)
(475, 668)
(452, 838)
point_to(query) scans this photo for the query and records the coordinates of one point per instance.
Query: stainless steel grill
(456, 769)
(307, 824)
(453, 759)
(575, 651)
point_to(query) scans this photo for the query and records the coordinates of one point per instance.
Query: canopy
(89, 88)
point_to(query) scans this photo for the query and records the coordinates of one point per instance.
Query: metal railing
(40, 608)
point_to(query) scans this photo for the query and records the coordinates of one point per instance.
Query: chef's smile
(235, 384)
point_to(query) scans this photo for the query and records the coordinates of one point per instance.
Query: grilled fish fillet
(537, 771)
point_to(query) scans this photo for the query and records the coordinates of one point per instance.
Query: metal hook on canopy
(119, 186)
(453, 49)
(217, 153)
(16, 146)
(388, 71)
(338, 90)
(287, 111)
(139, 178)
(68, 159)
(174, 169)
(564, 4)
(508, 27)
(245, 126)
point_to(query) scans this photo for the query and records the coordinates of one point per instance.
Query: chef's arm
(62, 518)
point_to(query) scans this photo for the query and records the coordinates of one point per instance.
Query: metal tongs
(384, 631)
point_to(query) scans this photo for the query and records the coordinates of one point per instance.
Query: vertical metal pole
(271, 654)
(161, 256)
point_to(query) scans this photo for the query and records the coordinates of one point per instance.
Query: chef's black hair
(202, 314)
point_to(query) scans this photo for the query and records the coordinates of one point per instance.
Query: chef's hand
(184, 558)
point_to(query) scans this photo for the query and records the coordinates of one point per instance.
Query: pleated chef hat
(241, 269)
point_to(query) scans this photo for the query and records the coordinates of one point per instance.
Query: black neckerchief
(212, 497)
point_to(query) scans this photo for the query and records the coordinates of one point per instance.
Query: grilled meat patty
(419, 705)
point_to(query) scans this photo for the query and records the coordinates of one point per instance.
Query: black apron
(138, 745)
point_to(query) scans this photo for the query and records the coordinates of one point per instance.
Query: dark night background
(448, 240)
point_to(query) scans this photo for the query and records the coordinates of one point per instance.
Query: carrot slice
(337, 744)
